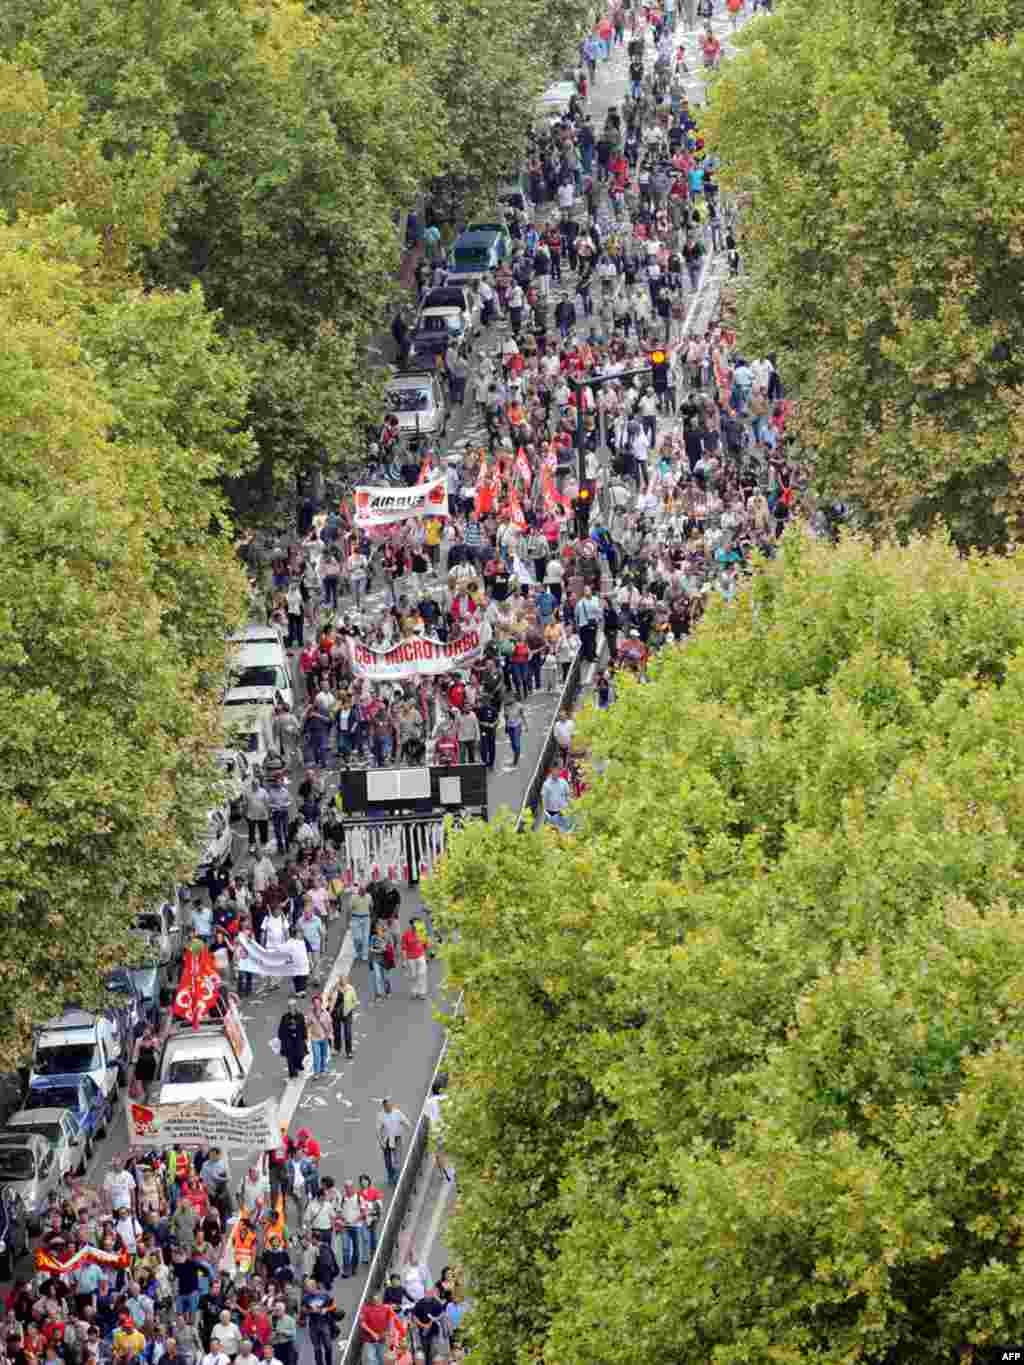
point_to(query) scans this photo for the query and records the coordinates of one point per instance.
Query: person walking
(343, 1010)
(257, 816)
(414, 956)
(515, 725)
(588, 617)
(390, 1123)
(319, 1030)
(291, 1034)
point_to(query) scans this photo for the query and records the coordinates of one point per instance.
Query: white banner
(290, 959)
(421, 654)
(157, 1126)
(378, 506)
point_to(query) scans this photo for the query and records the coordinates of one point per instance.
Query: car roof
(26, 1139)
(252, 633)
(474, 237)
(190, 1045)
(27, 1117)
(443, 295)
(410, 379)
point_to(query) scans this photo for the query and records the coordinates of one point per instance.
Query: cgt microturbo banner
(421, 655)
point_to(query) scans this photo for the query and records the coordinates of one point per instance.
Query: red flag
(552, 497)
(523, 468)
(198, 987)
(514, 508)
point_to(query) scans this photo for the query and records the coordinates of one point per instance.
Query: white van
(80, 1044)
(211, 1062)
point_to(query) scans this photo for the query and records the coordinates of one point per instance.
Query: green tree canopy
(735, 1071)
(883, 235)
(117, 419)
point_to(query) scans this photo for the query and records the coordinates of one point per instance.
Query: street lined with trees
(198, 241)
(737, 1069)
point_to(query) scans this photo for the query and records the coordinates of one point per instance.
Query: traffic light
(659, 369)
(582, 504)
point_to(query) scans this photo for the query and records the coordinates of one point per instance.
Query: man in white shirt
(264, 873)
(640, 450)
(566, 196)
(565, 728)
(129, 1229)
(390, 1122)
(226, 1337)
(119, 1186)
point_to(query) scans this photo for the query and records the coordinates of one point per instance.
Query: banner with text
(421, 655)
(157, 1126)
(378, 506)
(290, 958)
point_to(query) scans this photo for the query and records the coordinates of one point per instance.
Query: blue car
(81, 1095)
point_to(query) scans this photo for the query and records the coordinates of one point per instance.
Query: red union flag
(421, 655)
(523, 468)
(379, 506)
(198, 987)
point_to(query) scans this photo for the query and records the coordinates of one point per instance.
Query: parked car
(250, 732)
(237, 772)
(498, 229)
(29, 1167)
(217, 844)
(129, 1001)
(14, 1233)
(435, 330)
(162, 930)
(464, 297)
(258, 670)
(475, 254)
(91, 1109)
(83, 1044)
(61, 1130)
(210, 1062)
(418, 401)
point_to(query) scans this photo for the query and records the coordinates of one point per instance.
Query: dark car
(14, 1232)
(91, 1108)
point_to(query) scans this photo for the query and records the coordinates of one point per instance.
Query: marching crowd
(686, 472)
(172, 1259)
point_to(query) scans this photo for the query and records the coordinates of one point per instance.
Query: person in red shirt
(414, 955)
(376, 1321)
(307, 1144)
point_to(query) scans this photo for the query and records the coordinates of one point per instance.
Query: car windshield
(50, 1131)
(260, 675)
(470, 257)
(409, 400)
(16, 1163)
(437, 323)
(67, 1060)
(193, 1070)
(56, 1097)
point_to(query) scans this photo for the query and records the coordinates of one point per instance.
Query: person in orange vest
(243, 1244)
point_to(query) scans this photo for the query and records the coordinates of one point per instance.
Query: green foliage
(117, 419)
(884, 238)
(734, 1076)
